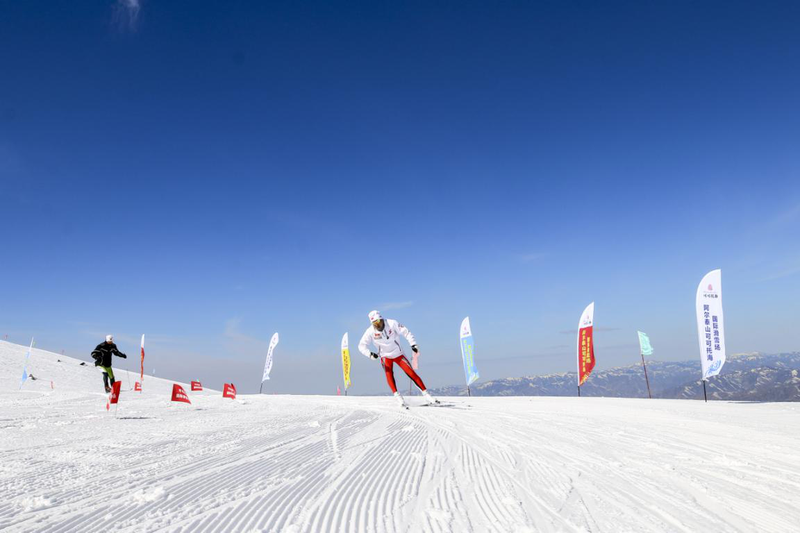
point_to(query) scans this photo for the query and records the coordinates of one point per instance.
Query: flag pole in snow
(705, 396)
(646, 379)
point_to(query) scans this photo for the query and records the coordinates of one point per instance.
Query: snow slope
(317, 463)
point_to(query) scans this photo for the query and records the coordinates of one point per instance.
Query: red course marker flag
(196, 386)
(179, 395)
(113, 397)
(137, 387)
(229, 391)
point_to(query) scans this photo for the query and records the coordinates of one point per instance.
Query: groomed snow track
(316, 463)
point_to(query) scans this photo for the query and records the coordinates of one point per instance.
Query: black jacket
(102, 354)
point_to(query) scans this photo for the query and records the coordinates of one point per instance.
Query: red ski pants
(403, 363)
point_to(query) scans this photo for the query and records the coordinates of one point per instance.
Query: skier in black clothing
(102, 358)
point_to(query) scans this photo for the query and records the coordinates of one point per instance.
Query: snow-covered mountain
(745, 377)
(359, 464)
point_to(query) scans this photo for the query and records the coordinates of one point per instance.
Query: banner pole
(579, 391)
(260, 387)
(410, 384)
(469, 393)
(705, 396)
(646, 378)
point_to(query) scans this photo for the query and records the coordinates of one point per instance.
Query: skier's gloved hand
(415, 349)
(374, 355)
(123, 356)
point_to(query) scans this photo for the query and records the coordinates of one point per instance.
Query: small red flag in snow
(116, 388)
(179, 395)
(196, 386)
(229, 391)
(137, 387)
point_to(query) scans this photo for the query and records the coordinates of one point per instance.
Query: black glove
(374, 355)
(123, 356)
(415, 349)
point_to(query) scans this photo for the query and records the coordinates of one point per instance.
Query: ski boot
(430, 399)
(400, 401)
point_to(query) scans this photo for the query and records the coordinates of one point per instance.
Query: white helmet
(109, 338)
(375, 315)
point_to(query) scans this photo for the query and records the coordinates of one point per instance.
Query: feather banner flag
(346, 361)
(586, 359)
(710, 330)
(196, 386)
(644, 344)
(268, 363)
(468, 352)
(645, 349)
(141, 371)
(25, 367)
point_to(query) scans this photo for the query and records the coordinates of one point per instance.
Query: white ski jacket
(386, 341)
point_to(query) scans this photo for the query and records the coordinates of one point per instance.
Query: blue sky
(210, 173)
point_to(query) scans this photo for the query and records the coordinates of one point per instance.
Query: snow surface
(317, 463)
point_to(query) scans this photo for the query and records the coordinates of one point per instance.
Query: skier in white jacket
(384, 335)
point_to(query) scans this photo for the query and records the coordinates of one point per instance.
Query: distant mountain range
(745, 377)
